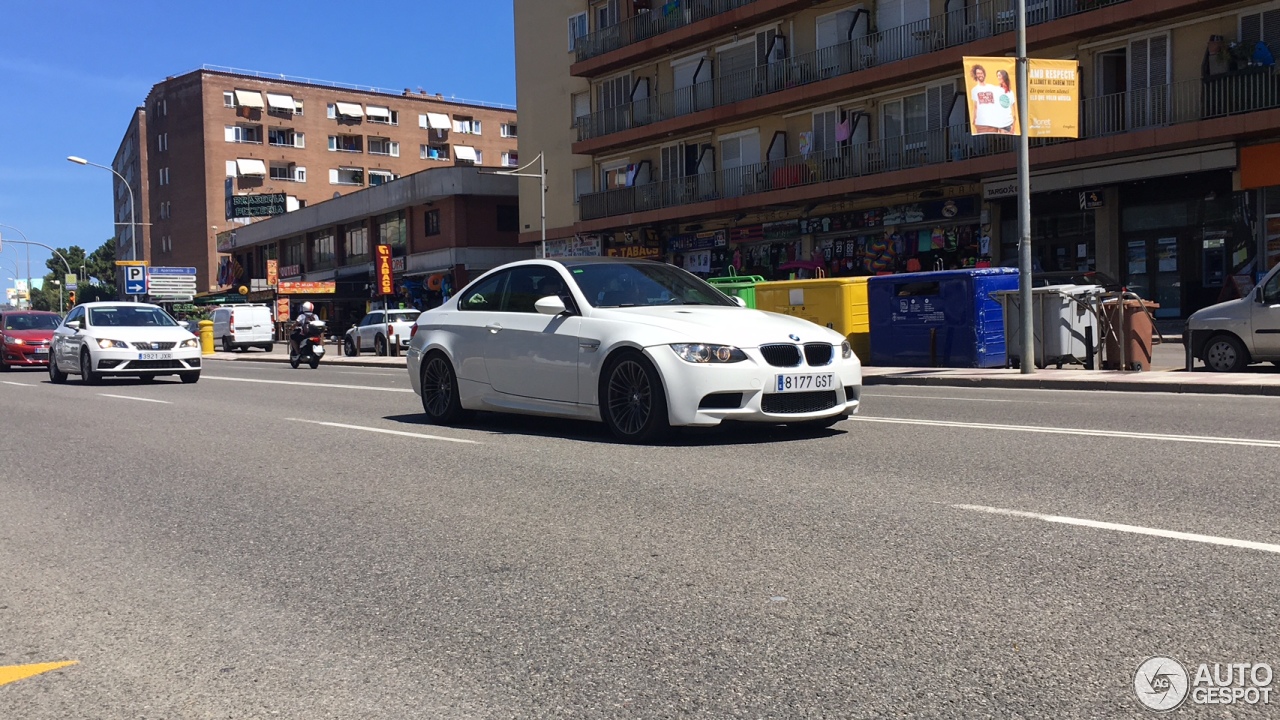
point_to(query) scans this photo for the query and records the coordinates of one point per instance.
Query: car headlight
(700, 353)
(106, 344)
(190, 342)
(846, 350)
(12, 340)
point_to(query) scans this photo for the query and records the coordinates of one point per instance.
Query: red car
(25, 337)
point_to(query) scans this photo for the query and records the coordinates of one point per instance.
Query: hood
(737, 326)
(30, 335)
(1230, 310)
(149, 333)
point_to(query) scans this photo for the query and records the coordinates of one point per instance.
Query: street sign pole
(1027, 365)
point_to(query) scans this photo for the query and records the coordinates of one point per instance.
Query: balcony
(1110, 115)
(645, 25)
(952, 29)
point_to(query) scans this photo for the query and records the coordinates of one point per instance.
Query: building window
(381, 177)
(346, 176)
(321, 248)
(581, 107)
(281, 172)
(164, 108)
(357, 241)
(243, 134)
(384, 146)
(508, 130)
(228, 99)
(582, 183)
(346, 143)
(466, 125)
(434, 152)
(164, 211)
(392, 229)
(431, 221)
(577, 28)
(293, 252)
(162, 142)
(297, 106)
(332, 112)
(479, 157)
(285, 137)
(164, 176)
(385, 116)
(508, 218)
(510, 159)
(300, 175)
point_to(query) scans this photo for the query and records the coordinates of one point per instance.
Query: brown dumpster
(1137, 333)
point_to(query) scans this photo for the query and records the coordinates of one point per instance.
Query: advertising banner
(1053, 97)
(273, 272)
(386, 281)
(300, 287)
(991, 94)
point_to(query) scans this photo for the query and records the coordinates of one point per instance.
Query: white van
(236, 327)
(1230, 335)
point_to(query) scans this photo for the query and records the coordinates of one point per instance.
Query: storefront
(1063, 231)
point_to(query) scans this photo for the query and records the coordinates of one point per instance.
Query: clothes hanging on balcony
(844, 130)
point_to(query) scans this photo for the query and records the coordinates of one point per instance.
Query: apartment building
(131, 161)
(219, 148)
(785, 136)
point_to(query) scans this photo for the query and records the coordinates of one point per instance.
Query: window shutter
(300, 140)
(300, 174)
(395, 149)
(933, 108)
(1158, 48)
(422, 121)
(333, 176)
(231, 168)
(230, 133)
(828, 31)
(1139, 69)
(1270, 30)
(1250, 29)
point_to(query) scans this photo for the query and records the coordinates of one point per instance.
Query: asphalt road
(273, 543)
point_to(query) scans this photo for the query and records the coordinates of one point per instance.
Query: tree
(99, 285)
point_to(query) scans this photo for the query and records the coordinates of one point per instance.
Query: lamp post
(133, 211)
(29, 243)
(542, 189)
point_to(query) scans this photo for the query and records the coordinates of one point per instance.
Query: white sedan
(122, 338)
(640, 345)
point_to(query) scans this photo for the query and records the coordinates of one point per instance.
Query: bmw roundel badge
(794, 338)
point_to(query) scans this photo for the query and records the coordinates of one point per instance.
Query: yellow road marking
(14, 673)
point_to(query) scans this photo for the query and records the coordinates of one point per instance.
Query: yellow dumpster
(838, 303)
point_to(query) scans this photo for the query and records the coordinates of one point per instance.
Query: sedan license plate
(42, 351)
(804, 383)
(155, 356)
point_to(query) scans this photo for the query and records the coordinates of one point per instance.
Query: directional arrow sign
(135, 280)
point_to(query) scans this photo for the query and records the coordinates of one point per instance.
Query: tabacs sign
(386, 282)
(264, 205)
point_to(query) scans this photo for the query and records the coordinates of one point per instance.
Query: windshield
(126, 316)
(31, 322)
(406, 316)
(644, 284)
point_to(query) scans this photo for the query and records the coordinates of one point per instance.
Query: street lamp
(133, 211)
(542, 187)
(29, 243)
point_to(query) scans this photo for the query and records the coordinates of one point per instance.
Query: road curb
(1110, 385)
(344, 362)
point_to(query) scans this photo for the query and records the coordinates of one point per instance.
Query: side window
(375, 318)
(488, 295)
(522, 292)
(363, 321)
(77, 314)
(1271, 291)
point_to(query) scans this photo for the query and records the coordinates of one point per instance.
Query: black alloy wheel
(632, 402)
(440, 399)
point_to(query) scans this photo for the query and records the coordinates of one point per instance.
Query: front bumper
(704, 395)
(25, 355)
(119, 361)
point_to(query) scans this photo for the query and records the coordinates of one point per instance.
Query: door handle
(493, 327)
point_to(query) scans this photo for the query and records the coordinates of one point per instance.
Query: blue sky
(72, 71)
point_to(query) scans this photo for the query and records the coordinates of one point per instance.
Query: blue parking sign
(135, 280)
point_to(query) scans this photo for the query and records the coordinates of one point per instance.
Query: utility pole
(1028, 363)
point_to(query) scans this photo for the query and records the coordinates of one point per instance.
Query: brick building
(209, 135)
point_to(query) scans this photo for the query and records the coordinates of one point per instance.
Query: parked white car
(639, 345)
(1231, 335)
(378, 330)
(238, 327)
(116, 338)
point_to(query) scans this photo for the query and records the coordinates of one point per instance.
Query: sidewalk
(332, 356)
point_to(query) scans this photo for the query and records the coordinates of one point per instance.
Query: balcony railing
(645, 25)
(1173, 104)
(950, 29)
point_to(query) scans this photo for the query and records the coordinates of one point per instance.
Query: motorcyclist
(305, 318)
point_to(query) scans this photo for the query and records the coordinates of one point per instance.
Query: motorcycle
(309, 347)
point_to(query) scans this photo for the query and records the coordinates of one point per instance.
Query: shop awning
(281, 102)
(249, 166)
(464, 152)
(439, 121)
(350, 110)
(376, 111)
(249, 98)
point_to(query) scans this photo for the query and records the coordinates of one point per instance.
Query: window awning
(281, 102)
(439, 121)
(249, 98)
(464, 152)
(249, 166)
(375, 111)
(350, 109)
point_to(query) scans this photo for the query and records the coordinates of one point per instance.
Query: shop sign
(635, 251)
(273, 272)
(641, 243)
(382, 264)
(576, 246)
(226, 241)
(933, 211)
(1091, 200)
(282, 309)
(397, 264)
(1000, 190)
(290, 271)
(262, 205)
(783, 230)
(697, 241)
(300, 287)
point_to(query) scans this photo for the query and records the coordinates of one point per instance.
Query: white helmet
(308, 307)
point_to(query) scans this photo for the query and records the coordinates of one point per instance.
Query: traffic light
(71, 297)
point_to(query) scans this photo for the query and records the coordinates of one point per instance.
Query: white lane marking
(1134, 529)
(308, 384)
(943, 397)
(130, 397)
(1078, 431)
(6, 382)
(402, 433)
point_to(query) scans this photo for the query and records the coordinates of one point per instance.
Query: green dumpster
(743, 286)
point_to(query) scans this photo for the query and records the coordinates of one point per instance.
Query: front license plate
(803, 383)
(42, 351)
(155, 356)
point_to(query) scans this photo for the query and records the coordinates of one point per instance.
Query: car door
(478, 308)
(1265, 318)
(65, 346)
(529, 354)
(369, 329)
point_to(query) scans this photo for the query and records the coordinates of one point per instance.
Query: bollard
(1088, 348)
(394, 349)
(933, 347)
(206, 337)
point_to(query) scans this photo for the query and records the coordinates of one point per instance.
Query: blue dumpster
(939, 319)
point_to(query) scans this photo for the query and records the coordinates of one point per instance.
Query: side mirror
(550, 305)
(186, 325)
(740, 301)
(73, 324)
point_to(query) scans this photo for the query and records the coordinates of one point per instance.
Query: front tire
(380, 346)
(87, 373)
(294, 360)
(632, 402)
(56, 376)
(190, 378)
(441, 402)
(349, 348)
(1224, 353)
